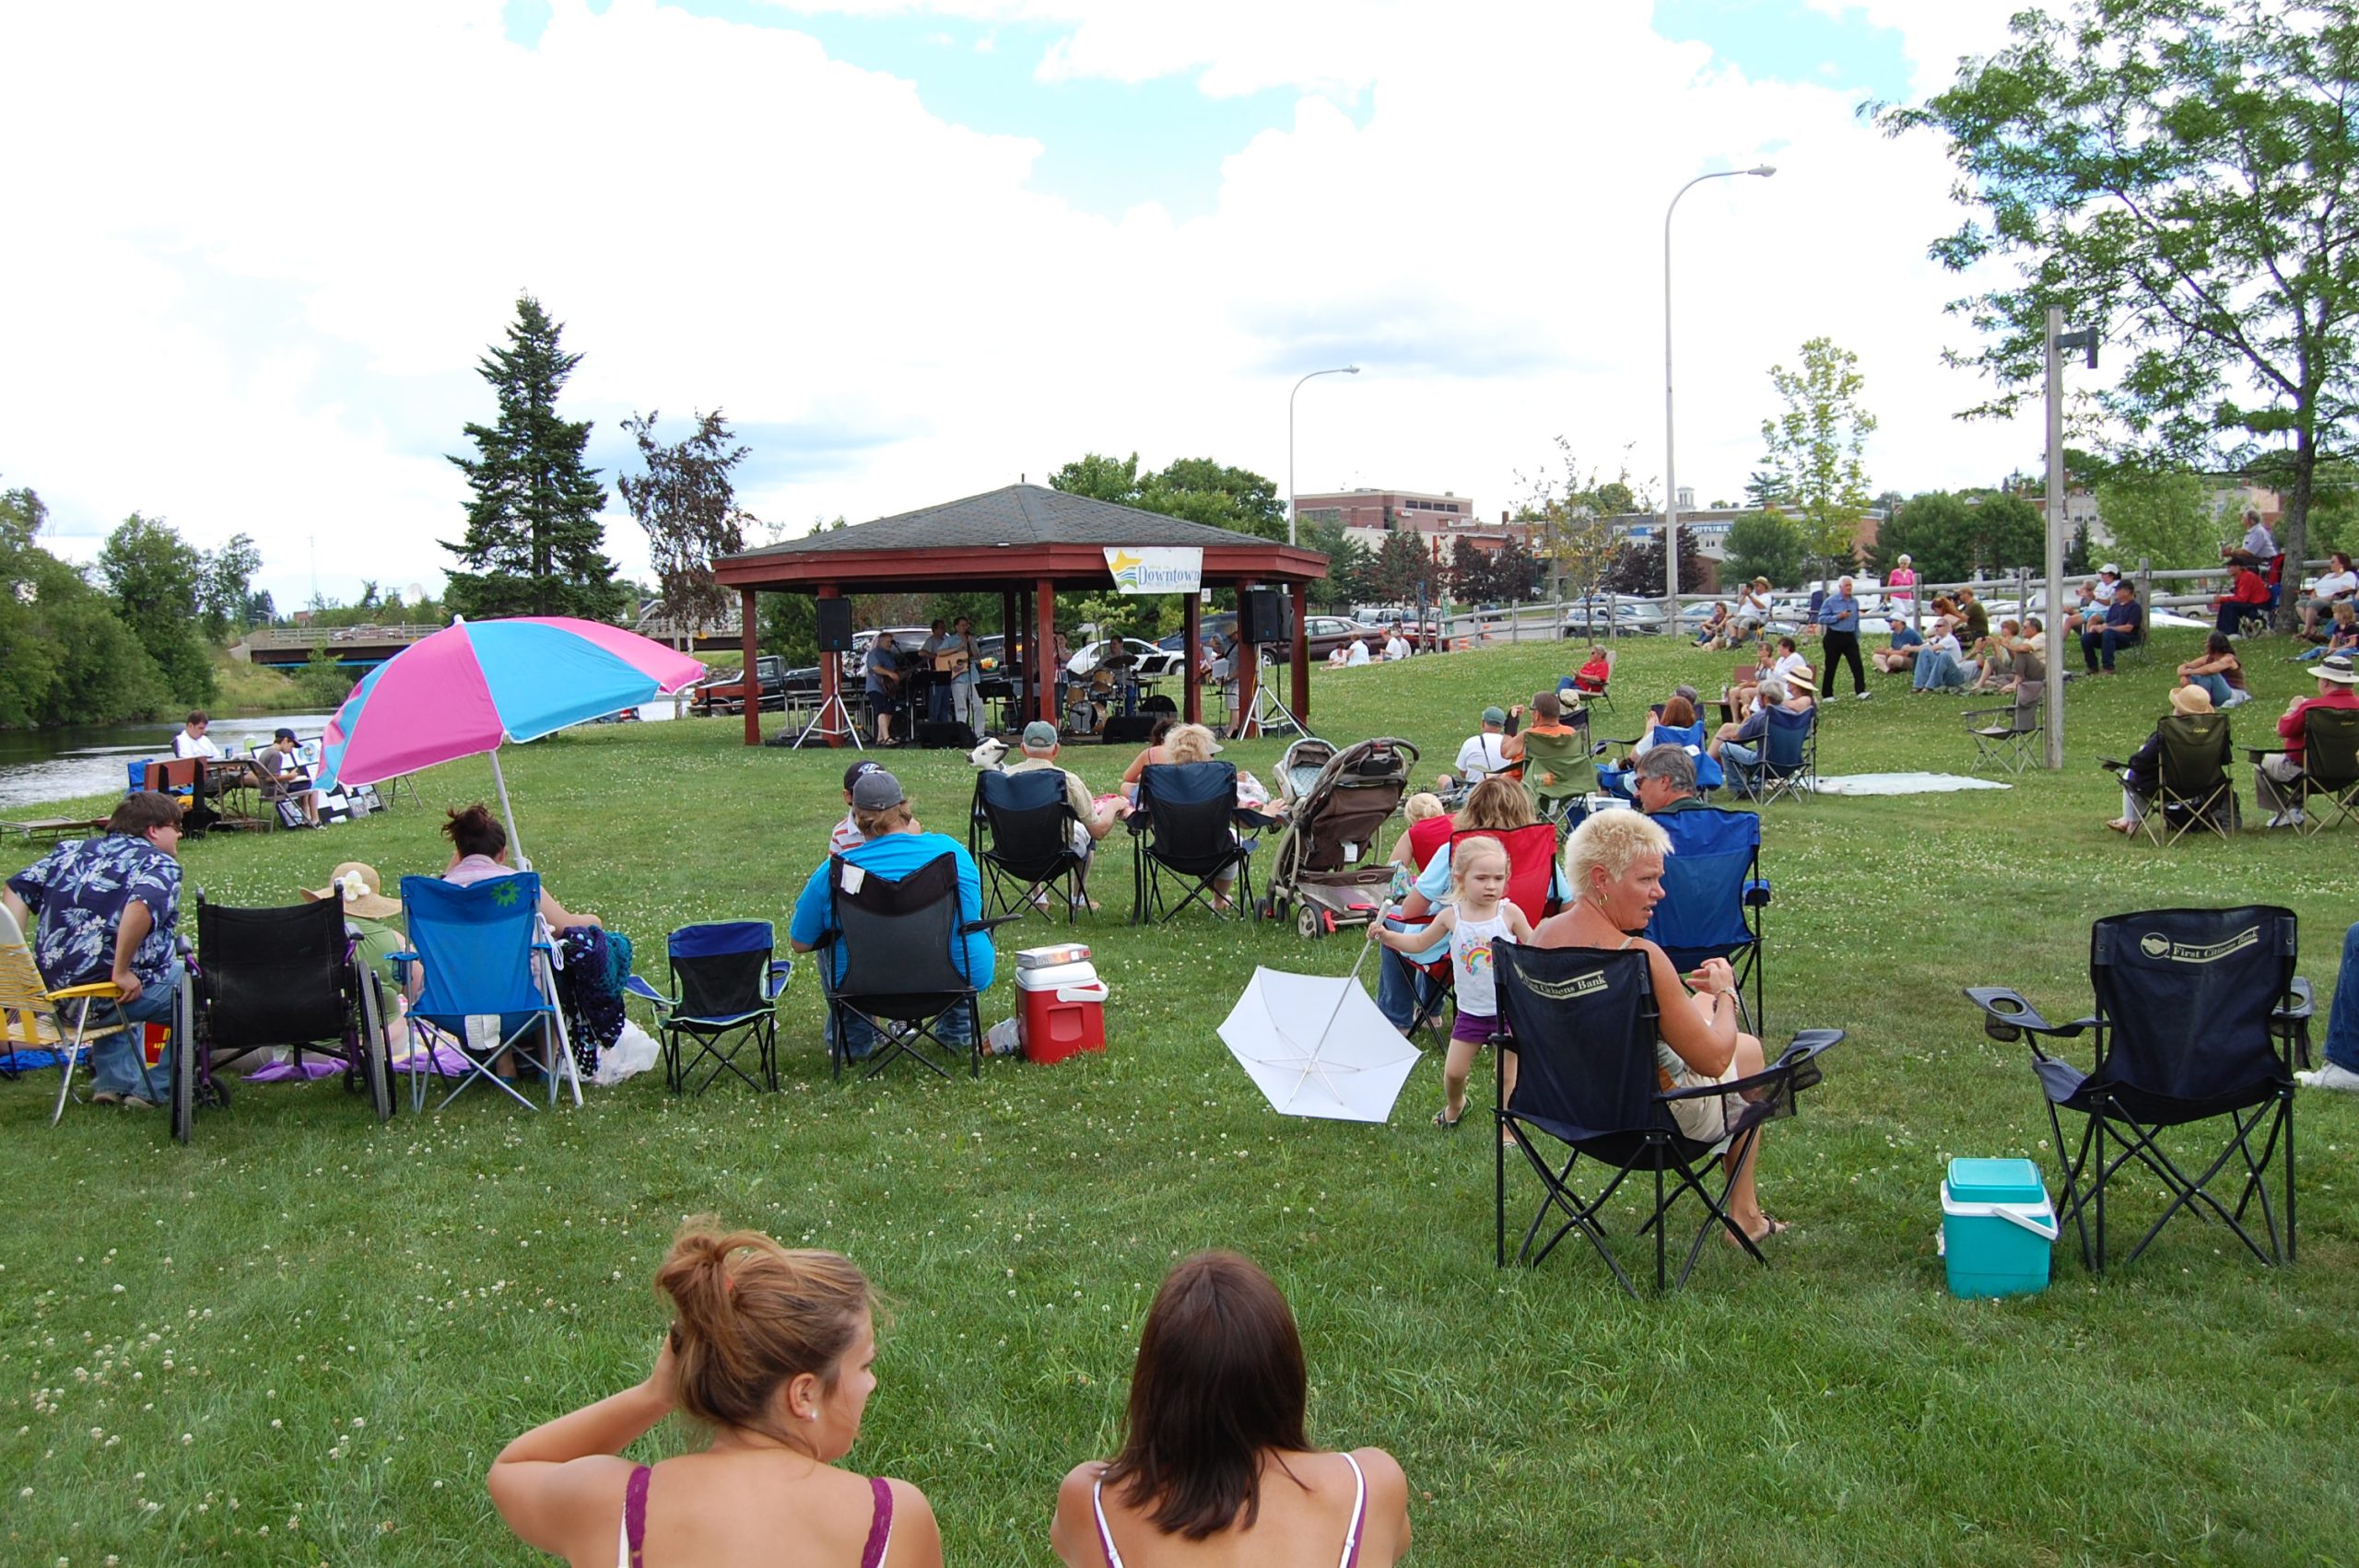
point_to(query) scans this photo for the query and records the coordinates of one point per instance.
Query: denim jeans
(2343, 1022)
(2105, 642)
(2215, 685)
(1740, 763)
(118, 1058)
(937, 702)
(953, 1028)
(1401, 989)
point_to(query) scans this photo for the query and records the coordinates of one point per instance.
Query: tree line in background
(131, 638)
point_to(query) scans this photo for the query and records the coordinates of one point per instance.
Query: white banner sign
(1149, 569)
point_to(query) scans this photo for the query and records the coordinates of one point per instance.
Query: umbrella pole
(1319, 1042)
(500, 781)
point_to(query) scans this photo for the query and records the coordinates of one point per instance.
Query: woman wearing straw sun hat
(366, 908)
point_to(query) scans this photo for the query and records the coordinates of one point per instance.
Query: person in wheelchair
(1615, 862)
(105, 910)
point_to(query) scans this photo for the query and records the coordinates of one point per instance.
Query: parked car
(725, 692)
(1153, 661)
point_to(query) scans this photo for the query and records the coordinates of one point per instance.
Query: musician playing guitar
(882, 684)
(966, 656)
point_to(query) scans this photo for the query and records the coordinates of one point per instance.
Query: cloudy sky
(918, 248)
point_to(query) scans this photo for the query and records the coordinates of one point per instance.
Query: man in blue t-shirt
(895, 847)
(1901, 653)
(2123, 620)
(103, 909)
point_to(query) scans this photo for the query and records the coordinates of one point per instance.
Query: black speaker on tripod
(835, 625)
(1261, 616)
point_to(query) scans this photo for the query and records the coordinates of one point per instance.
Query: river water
(57, 764)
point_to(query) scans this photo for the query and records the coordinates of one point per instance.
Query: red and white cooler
(1064, 1003)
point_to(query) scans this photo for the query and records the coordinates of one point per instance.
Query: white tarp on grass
(1904, 784)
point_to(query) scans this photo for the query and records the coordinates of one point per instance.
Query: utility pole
(2059, 340)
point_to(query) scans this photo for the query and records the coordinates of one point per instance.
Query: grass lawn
(303, 1338)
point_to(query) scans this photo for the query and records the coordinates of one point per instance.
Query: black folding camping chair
(2008, 738)
(2329, 767)
(2195, 789)
(1187, 825)
(1581, 1021)
(903, 951)
(2200, 1017)
(1030, 853)
(725, 984)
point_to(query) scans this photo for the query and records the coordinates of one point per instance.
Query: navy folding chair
(487, 964)
(2199, 1018)
(1582, 1024)
(1713, 896)
(894, 958)
(1789, 763)
(1030, 853)
(725, 985)
(1187, 820)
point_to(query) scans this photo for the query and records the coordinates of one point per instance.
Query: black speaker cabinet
(936, 734)
(1261, 616)
(835, 625)
(1128, 729)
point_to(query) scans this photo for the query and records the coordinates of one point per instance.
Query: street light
(1670, 473)
(1338, 371)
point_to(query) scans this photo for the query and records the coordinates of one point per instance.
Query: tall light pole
(1669, 472)
(1338, 371)
(2052, 637)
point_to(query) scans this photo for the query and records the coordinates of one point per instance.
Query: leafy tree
(1637, 571)
(1350, 565)
(1471, 580)
(156, 577)
(689, 507)
(2077, 558)
(64, 656)
(1950, 537)
(1765, 544)
(2180, 173)
(532, 540)
(1403, 567)
(1575, 538)
(225, 586)
(2166, 518)
(1196, 489)
(1766, 490)
(322, 681)
(1515, 572)
(788, 626)
(1813, 462)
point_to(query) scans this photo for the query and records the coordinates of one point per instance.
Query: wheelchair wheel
(183, 1048)
(376, 1058)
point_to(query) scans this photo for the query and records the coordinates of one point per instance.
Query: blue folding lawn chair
(488, 961)
(1713, 896)
(725, 987)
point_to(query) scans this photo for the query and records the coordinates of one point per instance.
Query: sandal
(2121, 826)
(1775, 1227)
(1447, 1122)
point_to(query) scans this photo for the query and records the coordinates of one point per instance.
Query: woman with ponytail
(771, 1350)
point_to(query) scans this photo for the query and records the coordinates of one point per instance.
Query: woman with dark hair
(2219, 672)
(1216, 1466)
(772, 1350)
(1157, 750)
(480, 852)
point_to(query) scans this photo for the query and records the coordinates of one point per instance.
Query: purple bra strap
(635, 1513)
(880, 1525)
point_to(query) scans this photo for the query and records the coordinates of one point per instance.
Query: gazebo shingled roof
(1024, 540)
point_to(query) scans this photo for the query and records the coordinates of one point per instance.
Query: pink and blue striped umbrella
(472, 686)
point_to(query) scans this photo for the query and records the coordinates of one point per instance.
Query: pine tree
(533, 531)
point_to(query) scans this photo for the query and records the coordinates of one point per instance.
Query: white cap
(2109, 568)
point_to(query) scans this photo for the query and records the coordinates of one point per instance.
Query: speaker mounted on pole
(835, 625)
(1261, 616)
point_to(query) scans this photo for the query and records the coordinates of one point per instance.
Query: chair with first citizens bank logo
(2199, 1018)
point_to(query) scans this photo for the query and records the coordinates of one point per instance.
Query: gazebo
(1028, 542)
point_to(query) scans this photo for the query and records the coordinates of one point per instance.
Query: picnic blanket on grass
(1903, 784)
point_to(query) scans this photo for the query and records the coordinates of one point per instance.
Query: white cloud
(268, 244)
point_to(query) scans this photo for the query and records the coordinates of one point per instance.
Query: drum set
(1095, 692)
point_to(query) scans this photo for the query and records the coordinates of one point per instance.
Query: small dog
(989, 756)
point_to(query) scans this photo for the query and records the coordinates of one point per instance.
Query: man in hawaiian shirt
(107, 909)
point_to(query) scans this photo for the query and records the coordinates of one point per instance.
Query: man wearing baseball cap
(1091, 821)
(2274, 776)
(847, 832)
(892, 846)
(1485, 754)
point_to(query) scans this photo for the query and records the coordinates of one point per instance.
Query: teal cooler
(1998, 1231)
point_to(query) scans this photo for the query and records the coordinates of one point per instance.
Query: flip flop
(1447, 1123)
(2122, 827)
(1776, 1227)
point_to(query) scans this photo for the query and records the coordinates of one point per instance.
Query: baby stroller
(1300, 768)
(1326, 863)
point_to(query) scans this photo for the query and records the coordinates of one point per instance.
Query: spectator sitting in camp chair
(1091, 821)
(2142, 776)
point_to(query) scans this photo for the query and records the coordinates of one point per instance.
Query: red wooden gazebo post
(753, 687)
(1302, 704)
(1044, 646)
(1191, 637)
(831, 668)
